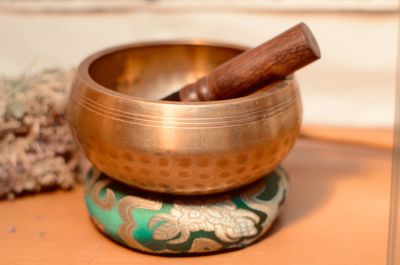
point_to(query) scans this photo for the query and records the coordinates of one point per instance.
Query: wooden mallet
(257, 67)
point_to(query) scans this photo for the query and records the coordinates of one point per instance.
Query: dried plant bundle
(37, 150)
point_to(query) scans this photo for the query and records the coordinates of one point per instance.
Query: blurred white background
(352, 85)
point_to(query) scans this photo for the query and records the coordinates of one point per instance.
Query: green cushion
(158, 223)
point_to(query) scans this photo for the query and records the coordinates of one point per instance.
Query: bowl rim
(85, 77)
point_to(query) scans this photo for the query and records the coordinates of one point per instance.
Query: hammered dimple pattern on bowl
(182, 174)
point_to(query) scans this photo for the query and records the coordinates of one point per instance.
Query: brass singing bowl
(124, 129)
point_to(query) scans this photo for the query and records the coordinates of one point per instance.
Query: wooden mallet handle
(272, 60)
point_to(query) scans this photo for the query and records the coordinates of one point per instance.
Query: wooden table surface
(336, 213)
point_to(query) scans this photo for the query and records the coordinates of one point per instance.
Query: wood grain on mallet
(272, 60)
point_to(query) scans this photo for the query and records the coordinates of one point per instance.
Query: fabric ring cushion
(165, 224)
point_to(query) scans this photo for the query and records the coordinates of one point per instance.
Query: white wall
(353, 83)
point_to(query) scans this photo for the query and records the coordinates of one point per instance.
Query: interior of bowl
(154, 71)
